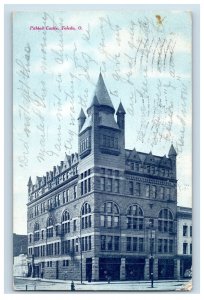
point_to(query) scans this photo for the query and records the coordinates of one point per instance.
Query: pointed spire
(172, 151)
(82, 114)
(121, 109)
(102, 93)
(95, 101)
(29, 182)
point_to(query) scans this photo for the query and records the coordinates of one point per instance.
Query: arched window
(135, 217)
(165, 221)
(110, 215)
(50, 225)
(36, 232)
(65, 222)
(86, 216)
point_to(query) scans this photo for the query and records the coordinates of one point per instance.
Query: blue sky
(145, 60)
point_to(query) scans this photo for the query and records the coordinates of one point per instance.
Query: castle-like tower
(104, 211)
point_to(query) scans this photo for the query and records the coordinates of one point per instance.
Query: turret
(121, 116)
(172, 155)
(81, 119)
(29, 185)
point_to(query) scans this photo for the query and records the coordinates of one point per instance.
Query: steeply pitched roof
(29, 182)
(82, 114)
(95, 101)
(172, 151)
(120, 109)
(102, 93)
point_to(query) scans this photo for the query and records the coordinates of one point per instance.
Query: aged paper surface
(140, 59)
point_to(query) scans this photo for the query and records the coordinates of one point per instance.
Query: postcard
(102, 150)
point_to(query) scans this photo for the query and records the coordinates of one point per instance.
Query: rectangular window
(167, 194)
(162, 192)
(109, 184)
(141, 244)
(148, 169)
(131, 187)
(77, 245)
(116, 243)
(165, 245)
(154, 192)
(160, 241)
(185, 248)
(109, 172)
(191, 249)
(86, 243)
(75, 191)
(134, 244)
(128, 245)
(129, 222)
(116, 173)
(82, 188)
(170, 246)
(190, 230)
(110, 242)
(89, 184)
(102, 221)
(109, 221)
(115, 221)
(103, 242)
(89, 243)
(102, 183)
(74, 225)
(67, 198)
(116, 189)
(185, 230)
(137, 189)
(85, 186)
(147, 190)
(132, 166)
(140, 223)
(102, 170)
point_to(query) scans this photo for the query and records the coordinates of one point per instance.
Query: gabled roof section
(149, 159)
(165, 162)
(102, 93)
(134, 156)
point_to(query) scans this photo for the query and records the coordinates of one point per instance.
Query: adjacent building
(184, 236)
(106, 211)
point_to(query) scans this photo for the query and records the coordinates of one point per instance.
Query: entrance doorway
(109, 268)
(89, 269)
(166, 269)
(135, 268)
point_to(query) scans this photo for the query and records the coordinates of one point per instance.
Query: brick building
(184, 237)
(106, 211)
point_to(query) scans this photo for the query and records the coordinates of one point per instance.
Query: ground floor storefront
(106, 268)
(184, 266)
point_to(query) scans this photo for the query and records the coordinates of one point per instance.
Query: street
(23, 284)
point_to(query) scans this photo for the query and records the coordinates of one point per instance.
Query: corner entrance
(109, 268)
